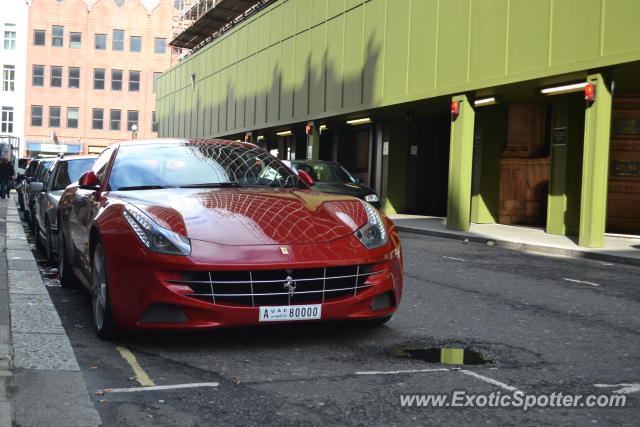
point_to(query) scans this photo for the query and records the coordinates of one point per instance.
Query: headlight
(371, 198)
(154, 237)
(373, 234)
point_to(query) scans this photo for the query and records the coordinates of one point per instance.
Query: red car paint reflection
(173, 234)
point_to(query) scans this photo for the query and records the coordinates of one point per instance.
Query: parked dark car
(332, 177)
(23, 183)
(46, 194)
(29, 197)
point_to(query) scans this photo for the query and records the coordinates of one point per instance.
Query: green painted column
(460, 166)
(313, 142)
(595, 164)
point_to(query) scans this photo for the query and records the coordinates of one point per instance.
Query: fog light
(382, 301)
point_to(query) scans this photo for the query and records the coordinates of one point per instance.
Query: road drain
(449, 356)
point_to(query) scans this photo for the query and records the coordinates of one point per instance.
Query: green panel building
(546, 93)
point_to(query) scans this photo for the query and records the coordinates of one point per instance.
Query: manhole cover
(445, 355)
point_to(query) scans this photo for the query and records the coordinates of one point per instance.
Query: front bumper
(143, 295)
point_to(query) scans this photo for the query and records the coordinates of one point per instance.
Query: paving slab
(34, 313)
(26, 282)
(43, 351)
(16, 264)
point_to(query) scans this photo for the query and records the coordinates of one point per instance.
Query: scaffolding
(198, 22)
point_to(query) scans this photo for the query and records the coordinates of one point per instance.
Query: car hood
(348, 189)
(250, 216)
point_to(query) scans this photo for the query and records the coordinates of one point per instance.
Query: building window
(7, 120)
(114, 119)
(135, 44)
(96, 118)
(101, 41)
(134, 81)
(56, 76)
(54, 117)
(36, 115)
(116, 79)
(132, 119)
(75, 40)
(8, 78)
(98, 78)
(154, 122)
(159, 45)
(176, 51)
(38, 75)
(39, 37)
(118, 40)
(57, 36)
(10, 40)
(155, 81)
(72, 117)
(74, 78)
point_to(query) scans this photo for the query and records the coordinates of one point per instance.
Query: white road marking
(455, 259)
(408, 371)
(580, 281)
(159, 387)
(626, 387)
(489, 380)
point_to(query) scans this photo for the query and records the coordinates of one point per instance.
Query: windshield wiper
(212, 184)
(144, 187)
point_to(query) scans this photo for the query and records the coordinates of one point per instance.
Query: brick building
(91, 70)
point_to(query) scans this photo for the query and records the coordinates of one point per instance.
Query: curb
(47, 387)
(528, 247)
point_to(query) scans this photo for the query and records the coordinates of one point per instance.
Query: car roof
(329, 162)
(79, 157)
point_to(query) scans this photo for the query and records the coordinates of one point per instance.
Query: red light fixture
(307, 129)
(590, 92)
(455, 109)
(247, 138)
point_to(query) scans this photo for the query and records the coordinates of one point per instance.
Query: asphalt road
(544, 333)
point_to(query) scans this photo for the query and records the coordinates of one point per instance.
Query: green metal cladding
(306, 59)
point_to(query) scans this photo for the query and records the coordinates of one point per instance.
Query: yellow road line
(141, 375)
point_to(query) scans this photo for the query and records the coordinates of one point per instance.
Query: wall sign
(626, 126)
(621, 167)
(559, 136)
(414, 150)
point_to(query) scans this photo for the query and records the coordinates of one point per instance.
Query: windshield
(69, 171)
(197, 164)
(326, 172)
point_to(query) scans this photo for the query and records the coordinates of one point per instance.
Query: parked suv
(46, 195)
(23, 183)
(29, 199)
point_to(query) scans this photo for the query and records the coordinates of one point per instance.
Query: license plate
(283, 313)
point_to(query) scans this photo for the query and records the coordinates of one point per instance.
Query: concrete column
(313, 142)
(595, 164)
(460, 166)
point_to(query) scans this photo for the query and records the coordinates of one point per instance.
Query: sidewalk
(40, 381)
(621, 249)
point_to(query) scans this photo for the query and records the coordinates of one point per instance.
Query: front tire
(100, 296)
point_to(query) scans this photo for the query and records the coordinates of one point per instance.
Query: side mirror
(89, 181)
(29, 179)
(35, 186)
(305, 177)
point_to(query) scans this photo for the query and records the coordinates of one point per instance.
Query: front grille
(269, 287)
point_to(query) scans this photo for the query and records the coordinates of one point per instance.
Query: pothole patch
(444, 355)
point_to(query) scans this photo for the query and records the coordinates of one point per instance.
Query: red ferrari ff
(171, 234)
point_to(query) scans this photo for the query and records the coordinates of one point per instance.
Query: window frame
(154, 122)
(114, 79)
(71, 42)
(133, 122)
(7, 119)
(112, 120)
(94, 119)
(9, 39)
(8, 78)
(53, 117)
(41, 116)
(52, 76)
(44, 37)
(77, 119)
(100, 36)
(164, 45)
(116, 40)
(57, 38)
(97, 80)
(132, 81)
(137, 38)
(71, 78)
(34, 76)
